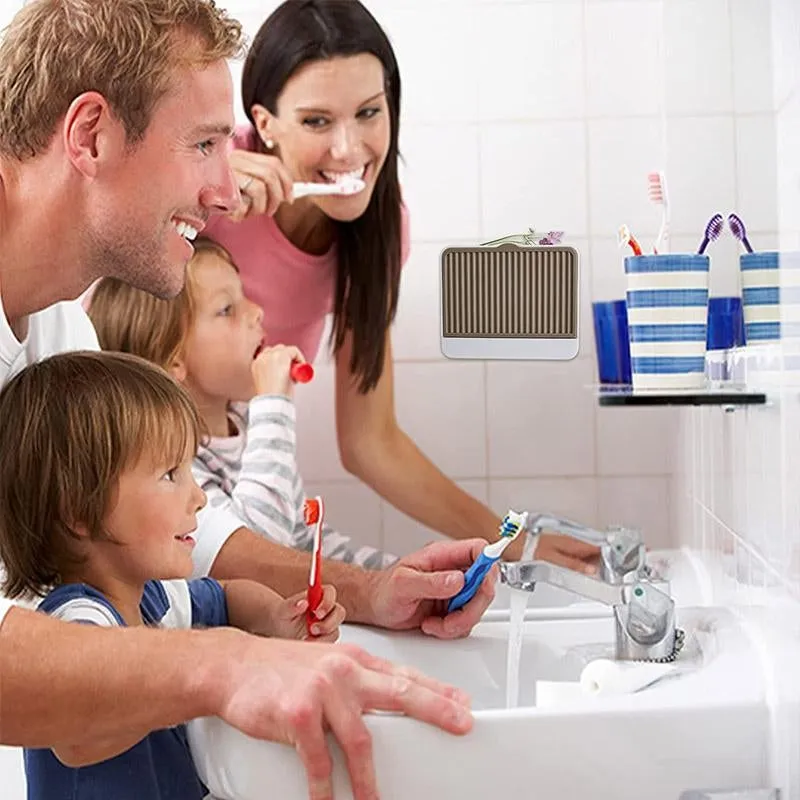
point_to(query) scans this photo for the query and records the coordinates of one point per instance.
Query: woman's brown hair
(369, 248)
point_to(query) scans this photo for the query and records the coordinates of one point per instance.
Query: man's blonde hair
(127, 50)
(130, 320)
(69, 426)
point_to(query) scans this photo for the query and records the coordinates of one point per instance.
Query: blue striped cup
(667, 302)
(770, 296)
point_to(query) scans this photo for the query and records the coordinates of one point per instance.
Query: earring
(270, 143)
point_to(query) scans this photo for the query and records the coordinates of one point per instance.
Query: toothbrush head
(349, 185)
(624, 236)
(739, 232)
(712, 232)
(512, 524)
(737, 227)
(312, 510)
(657, 187)
(714, 228)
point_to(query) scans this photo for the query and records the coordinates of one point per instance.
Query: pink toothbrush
(657, 191)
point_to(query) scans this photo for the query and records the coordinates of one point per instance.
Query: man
(114, 120)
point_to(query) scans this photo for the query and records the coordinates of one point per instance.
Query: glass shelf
(725, 396)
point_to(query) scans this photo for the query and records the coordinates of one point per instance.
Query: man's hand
(293, 692)
(565, 551)
(414, 592)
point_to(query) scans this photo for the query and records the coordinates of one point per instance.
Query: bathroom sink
(575, 745)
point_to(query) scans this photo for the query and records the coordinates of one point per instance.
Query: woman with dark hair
(321, 88)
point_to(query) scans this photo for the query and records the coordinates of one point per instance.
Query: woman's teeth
(341, 177)
(185, 230)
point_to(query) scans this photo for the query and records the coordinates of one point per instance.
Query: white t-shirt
(59, 328)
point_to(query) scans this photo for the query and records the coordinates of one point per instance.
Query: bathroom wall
(736, 492)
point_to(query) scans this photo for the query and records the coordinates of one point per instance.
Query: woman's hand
(264, 183)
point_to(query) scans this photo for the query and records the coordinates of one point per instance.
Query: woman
(321, 89)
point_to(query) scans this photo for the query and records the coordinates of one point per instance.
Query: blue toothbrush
(513, 524)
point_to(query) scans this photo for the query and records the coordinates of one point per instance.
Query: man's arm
(245, 554)
(64, 684)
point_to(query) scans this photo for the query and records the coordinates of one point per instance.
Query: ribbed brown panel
(511, 293)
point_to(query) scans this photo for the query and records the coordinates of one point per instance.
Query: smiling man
(114, 121)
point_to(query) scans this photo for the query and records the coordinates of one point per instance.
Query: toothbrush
(510, 528)
(343, 188)
(712, 232)
(657, 191)
(624, 236)
(301, 372)
(314, 512)
(738, 230)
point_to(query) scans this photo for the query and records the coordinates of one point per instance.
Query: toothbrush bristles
(655, 187)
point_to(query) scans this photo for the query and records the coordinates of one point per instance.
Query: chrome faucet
(622, 551)
(644, 615)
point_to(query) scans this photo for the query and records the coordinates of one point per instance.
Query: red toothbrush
(314, 512)
(301, 372)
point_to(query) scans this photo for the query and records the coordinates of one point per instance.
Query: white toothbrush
(342, 188)
(657, 191)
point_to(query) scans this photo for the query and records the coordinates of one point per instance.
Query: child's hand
(290, 617)
(271, 369)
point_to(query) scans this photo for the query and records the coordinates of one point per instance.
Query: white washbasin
(619, 748)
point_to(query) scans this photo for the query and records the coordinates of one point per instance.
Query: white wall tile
(786, 53)
(404, 535)
(621, 154)
(723, 278)
(317, 448)
(353, 509)
(541, 419)
(638, 503)
(533, 175)
(636, 441)
(440, 180)
(701, 170)
(530, 59)
(751, 30)
(624, 79)
(417, 328)
(788, 160)
(698, 57)
(585, 330)
(572, 498)
(440, 74)
(757, 172)
(442, 406)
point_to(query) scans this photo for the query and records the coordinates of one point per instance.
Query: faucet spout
(524, 575)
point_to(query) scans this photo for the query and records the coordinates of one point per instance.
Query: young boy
(97, 514)
(210, 339)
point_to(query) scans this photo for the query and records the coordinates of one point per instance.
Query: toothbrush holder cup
(667, 302)
(612, 342)
(771, 296)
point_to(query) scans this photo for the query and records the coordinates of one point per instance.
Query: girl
(210, 337)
